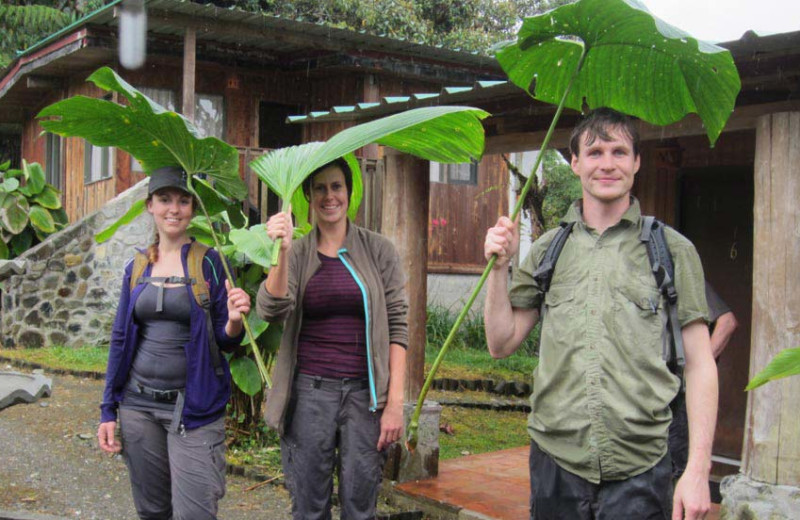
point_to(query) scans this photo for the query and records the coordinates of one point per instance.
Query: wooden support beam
(189, 62)
(743, 118)
(404, 221)
(771, 450)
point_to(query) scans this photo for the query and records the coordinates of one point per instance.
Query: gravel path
(50, 463)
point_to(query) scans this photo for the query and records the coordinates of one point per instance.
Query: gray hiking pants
(173, 476)
(326, 415)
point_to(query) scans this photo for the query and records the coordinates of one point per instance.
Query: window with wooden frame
(209, 115)
(52, 164)
(98, 163)
(461, 173)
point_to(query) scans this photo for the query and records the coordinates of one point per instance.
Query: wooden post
(404, 221)
(771, 451)
(189, 57)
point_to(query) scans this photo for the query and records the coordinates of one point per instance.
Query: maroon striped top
(331, 342)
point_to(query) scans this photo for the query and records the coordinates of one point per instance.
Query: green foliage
(23, 23)
(785, 364)
(634, 63)
(440, 320)
(469, 25)
(24, 219)
(481, 431)
(448, 134)
(563, 187)
(153, 135)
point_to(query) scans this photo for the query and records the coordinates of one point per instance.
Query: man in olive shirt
(600, 404)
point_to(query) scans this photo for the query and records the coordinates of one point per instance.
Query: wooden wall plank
(771, 449)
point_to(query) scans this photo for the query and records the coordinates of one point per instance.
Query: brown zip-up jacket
(377, 267)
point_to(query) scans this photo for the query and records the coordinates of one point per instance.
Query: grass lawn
(470, 363)
(475, 431)
(62, 358)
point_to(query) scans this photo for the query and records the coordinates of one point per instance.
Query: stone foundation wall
(68, 288)
(746, 499)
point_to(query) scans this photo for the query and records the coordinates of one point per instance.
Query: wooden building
(237, 75)
(736, 201)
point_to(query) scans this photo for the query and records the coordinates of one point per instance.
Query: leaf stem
(262, 369)
(413, 426)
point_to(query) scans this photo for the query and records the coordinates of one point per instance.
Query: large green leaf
(448, 134)
(41, 219)
(49, 198)
(35, 179)
(786, 363)
(245, 374)
(22, 242)
(9, 184)
(14, 210)
(155, 136)
(634, 63)
(254, 243)
(135, 210)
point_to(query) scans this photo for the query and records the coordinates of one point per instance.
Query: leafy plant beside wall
(30, 209)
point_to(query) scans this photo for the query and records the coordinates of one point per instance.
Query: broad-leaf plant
(612, 53)
(157, 137)
(786, 363)
(30, 208)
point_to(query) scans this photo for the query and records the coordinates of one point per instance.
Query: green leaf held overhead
(634, 63)
(155, 136)
(785, 364)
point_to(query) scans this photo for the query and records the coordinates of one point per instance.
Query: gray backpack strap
(655, 241)
(544, 273)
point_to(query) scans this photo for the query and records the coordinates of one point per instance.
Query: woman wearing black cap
(166, 379)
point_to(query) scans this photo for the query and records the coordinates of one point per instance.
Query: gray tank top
(160, 360)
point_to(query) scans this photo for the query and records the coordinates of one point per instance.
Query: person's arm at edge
(692, 495)
(503, 240)
(724, 327)
(392, 417)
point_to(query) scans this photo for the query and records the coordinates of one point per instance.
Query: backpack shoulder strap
(544, 273)
(663, 269)
(194, 261)
(140, 262)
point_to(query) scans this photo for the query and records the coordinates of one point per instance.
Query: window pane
(52, 167)
(209, 115)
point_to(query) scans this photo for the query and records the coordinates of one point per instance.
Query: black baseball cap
(168, 177)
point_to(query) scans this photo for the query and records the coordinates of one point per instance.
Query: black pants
(557, 494)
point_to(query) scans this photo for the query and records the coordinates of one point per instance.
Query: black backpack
(652, 236)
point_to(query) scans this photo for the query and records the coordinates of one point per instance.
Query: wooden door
(716, 214)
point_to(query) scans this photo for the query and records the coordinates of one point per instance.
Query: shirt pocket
(559, 310)
(639, 316)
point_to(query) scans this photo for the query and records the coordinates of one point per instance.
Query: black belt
(333, 384)
(162, 396)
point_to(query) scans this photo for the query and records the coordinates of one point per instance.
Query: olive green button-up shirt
(600, 402)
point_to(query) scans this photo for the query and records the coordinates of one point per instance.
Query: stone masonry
(67, 289)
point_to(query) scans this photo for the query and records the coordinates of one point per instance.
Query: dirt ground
(50, 463)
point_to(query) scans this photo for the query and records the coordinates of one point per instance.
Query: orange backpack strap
(140, 262)
(197, 252)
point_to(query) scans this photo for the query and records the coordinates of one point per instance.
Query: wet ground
(50, 463)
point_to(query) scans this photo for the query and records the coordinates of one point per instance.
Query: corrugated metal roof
(481, 90)
(266, 32)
